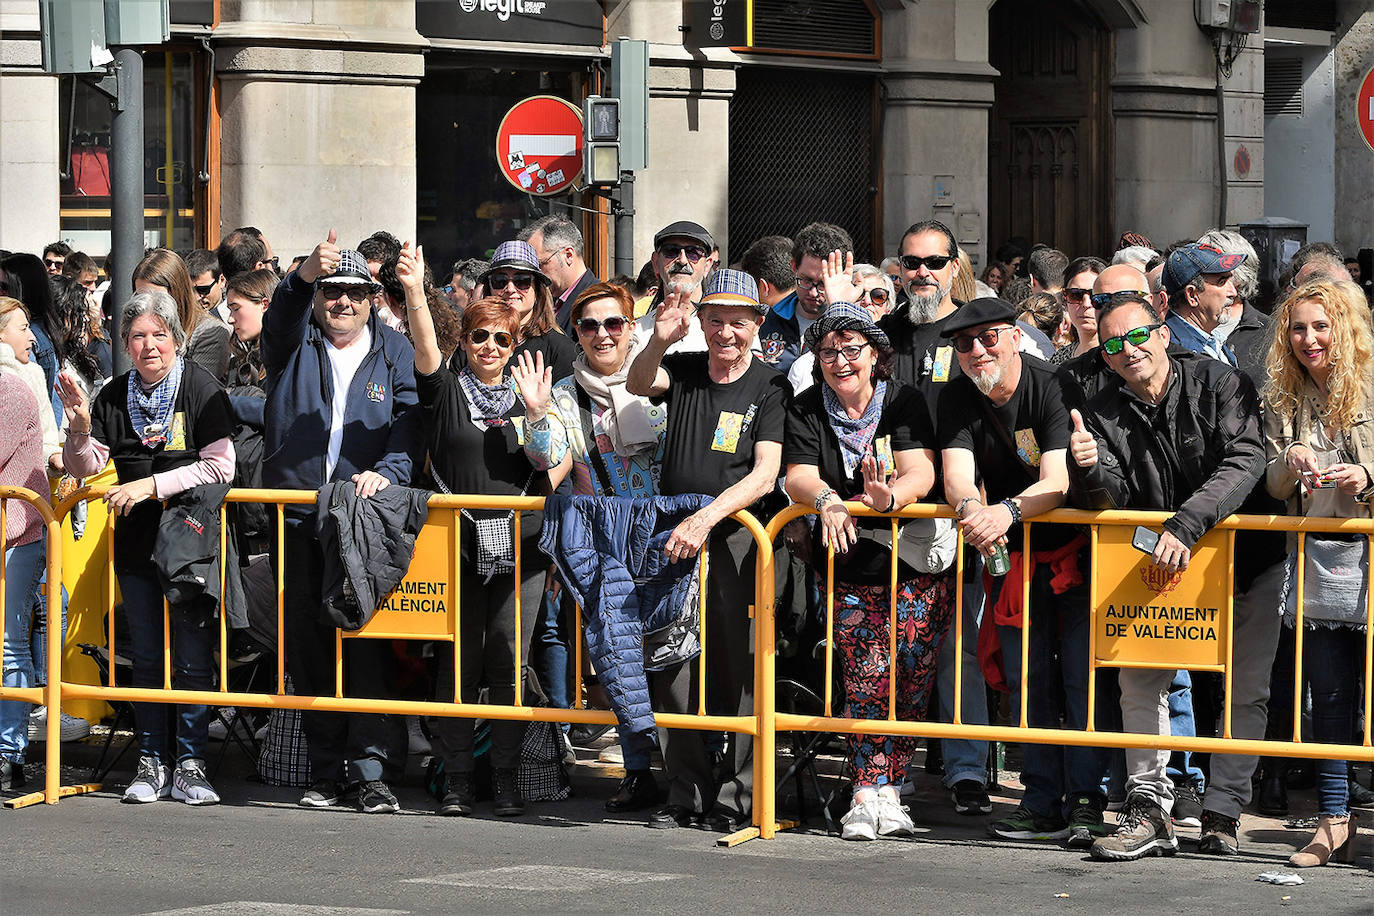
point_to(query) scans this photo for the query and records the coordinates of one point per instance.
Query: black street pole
(624, 211)
(126, 189)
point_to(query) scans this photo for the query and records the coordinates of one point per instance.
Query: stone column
(31, 155)
(317, 100)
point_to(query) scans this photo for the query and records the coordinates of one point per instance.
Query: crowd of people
(648, 410)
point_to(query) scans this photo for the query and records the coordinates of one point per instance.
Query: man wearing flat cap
(341, 405)
(684, 256)
(726, 414)
(1004, 430)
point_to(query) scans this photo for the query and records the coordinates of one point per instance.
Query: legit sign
(1146, 617)
(424, 605)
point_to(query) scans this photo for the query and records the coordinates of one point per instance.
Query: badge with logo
(882, 453)
(773, 346)
(943, 357)
(728, 429)
(375, 391)
(1027, 449)
(176, 438)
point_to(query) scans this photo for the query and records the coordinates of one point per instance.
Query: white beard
(986, 381)
(921, 307)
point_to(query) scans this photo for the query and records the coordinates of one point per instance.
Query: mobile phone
(1144, 540)
(1320, 481)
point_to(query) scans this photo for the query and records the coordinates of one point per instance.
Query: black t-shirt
(559, 352)
(1035, 420)
(921, 358)
(200, 416)
(490, 461)
(904, 425)
(712, 429)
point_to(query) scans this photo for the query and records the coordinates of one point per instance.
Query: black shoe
(323, 793)
(1360, 797)
(1187, 810)
(970, 797)
(637, 791)
(1301, 775)
(1273, 794)
(582, 735)
(11, 775)
(673, 816)
(374, 797)
(1219, 834)
(459, 798)
(723, 820)
(505, 790)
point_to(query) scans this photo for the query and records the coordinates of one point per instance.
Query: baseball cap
(987, 310)
(352, 270)
(731, 287)
(1190, 260)
(846, 316)
(684, 228)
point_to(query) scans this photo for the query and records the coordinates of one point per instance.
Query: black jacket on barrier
(187, 554)
(367, 546)
(1198, 453)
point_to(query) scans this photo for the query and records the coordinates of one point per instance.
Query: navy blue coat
(382, 430)
(640, 610)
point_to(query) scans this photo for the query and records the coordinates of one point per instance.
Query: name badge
(728, 429)
(176, 439)
(1027, 449)
(944, 356)
(882, 453)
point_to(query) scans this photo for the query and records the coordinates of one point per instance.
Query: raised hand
(877, 484)
(74, 405)
(673, 319)
(837, 274)
(535, 382)
(323, 261)
(1082, 444)
(410, 268)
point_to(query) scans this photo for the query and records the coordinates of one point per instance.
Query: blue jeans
(38, 637)
(1181, 724)
(549, 653)
(1333, 660)
(1054, 776)
(965, 759)
(22, 567)
(170, 733)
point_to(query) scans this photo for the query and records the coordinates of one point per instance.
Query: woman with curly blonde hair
(1319, 436)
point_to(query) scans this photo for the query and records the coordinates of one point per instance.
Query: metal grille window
(1283, 96)
(801, 150)
(847, 27)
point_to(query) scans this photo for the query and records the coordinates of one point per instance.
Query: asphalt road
(259, 854)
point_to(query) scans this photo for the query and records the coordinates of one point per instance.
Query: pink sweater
(84, 455)
(21, 459)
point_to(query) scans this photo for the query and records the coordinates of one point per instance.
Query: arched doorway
(1049, 133)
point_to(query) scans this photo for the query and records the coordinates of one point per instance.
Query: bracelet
(540, 425)
(892, 505)
(959, 510)
(823, 497)
(1015, 509)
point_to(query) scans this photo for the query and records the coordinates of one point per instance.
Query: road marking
(265, 908)
(543, 878)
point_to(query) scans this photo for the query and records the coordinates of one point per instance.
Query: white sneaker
(893, 819)
(217, 730)
(190, 785)
(861, 823)
(72, 728)
(152, 781)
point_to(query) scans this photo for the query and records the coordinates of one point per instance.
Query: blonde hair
(1351, 354)
(8, 306)
(965, 288)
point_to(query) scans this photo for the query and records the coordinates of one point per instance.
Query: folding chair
(123, 709)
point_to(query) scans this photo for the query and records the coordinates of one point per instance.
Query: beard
(923, 301)
(986, 381)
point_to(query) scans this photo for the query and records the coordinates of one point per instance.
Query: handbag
(1335, 581)
(495, 540)
(542, 775)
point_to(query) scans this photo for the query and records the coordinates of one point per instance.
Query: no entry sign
(1364, 108)
(539, 145)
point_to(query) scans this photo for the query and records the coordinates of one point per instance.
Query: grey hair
(557, 232)
(888, 262)
(1228, 241)
(864, 271)
(1134, 254)
(160, 305)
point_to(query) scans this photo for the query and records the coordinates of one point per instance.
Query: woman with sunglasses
(1319, 440)
(514, 278)
(207, 338)
(1079, 278)
(860, 436)
(483, 438)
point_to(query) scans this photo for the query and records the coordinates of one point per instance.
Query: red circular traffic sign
(539, 145)
(1364, 108)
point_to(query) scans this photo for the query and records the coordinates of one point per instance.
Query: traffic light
(601, 141)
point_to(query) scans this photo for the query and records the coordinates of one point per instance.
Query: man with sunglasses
(557, 243)
(341, 405)
(1004, 434)
(684, 256)
(1175, 432)
(206, 281)
(1115, 283)
(55, 256)
(788, 319)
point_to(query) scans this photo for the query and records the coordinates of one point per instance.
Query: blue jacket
(780, 335)
(382, 430)
(641, 611)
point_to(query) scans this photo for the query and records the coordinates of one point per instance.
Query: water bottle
(999, 564)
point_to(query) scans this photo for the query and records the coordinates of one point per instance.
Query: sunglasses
(694, 252)
(1135, 336)
(876, 296)
(203, 290)
(615, 326)
(1076, 294)
(964, 342)
(828, 355)
(54, 264)
(479, 336)
(931, 262)
(1102, 300)
(333, 293)
(499, 282)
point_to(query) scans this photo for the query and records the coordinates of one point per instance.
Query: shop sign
(559, 22)
(718, 23)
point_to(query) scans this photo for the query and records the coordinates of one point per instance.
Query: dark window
(827, 26)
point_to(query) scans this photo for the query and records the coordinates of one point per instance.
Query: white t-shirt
(343, 365)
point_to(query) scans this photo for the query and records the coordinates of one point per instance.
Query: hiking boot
(323, 793)
(1187, 810)
(894, 819)
(1085, 823)
(152, 780)
(970, 798)
(190, 785)
(1219, 834)
(11, 775)
(459, 796)
(1024, 824)
(505, 790)
(1143, 830)
(374, 797)
(861, 822)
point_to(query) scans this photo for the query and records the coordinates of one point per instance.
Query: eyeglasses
(479, 336)
(333, 292)
(828, 355)
(615, 326)
(694, 252)
(1076, 294)
(54, 263)
(964, 342)
(522, 282)
(806, 284)
(1135, 336)
(931, 262)
(203, 290)
(1102, 300)
(877, 296)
